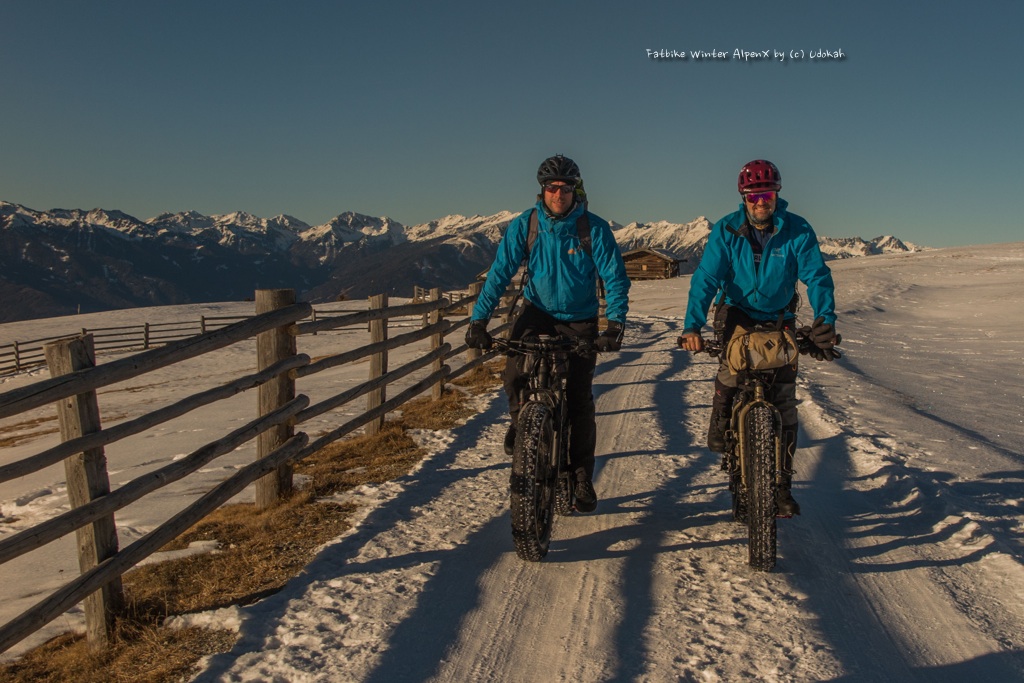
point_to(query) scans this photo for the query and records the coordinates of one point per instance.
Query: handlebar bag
(760, 350)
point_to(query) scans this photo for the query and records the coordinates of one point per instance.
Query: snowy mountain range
(58, 261)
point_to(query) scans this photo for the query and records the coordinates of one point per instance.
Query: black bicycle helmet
(558, 167)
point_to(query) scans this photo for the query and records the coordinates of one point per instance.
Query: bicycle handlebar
(547, 344)
(804, 345)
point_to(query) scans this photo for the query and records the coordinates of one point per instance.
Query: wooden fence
(21, 355)
(276, 328)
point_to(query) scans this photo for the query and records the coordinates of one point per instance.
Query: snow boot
(586, 497)
(716, 429)
(787, 506)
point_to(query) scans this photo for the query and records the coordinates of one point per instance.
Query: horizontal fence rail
(25, 354)
(90, 581)
(140, 424)
(65, 523)
(280, 410)
(54, 389)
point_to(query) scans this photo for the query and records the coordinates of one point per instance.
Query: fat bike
(753, 457)
(542, 475)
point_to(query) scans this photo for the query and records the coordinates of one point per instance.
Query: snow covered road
(906, 564)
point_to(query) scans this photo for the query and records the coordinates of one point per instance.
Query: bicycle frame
(754, 454)
(540, 486)
(754, 461)
(548, 385)
(548, 375)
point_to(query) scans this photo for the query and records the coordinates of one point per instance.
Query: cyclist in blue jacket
(560, 298)
(751, 263)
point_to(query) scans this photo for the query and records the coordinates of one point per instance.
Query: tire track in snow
(569, 607)
(654, 587)
(884, 547)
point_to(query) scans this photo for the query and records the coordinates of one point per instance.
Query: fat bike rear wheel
(533, 483)
(760, 475)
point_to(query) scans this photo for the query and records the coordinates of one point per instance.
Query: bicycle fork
(547, 387)
(741, 443)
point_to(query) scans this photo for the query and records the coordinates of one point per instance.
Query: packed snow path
(895, 571)
(906, 564)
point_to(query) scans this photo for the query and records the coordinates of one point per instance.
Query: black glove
(610, 339)
(824, 337)
(477, 336)
(823, 334)
(824, 354)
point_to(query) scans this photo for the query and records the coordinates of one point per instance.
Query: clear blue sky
(418, 110)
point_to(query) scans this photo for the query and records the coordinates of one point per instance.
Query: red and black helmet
(758, 175)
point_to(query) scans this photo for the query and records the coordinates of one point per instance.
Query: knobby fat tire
(533, 483)
(761, 507)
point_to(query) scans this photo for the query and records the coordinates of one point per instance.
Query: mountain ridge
(58, 261)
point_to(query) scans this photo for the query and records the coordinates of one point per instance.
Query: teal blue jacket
(563, 278)
(727, 266)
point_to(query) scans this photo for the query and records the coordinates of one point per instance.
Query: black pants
(579, 389)
(781, 393)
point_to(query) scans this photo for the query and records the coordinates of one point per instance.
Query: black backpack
(582, 230)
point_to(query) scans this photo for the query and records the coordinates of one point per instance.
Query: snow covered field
(906, 564)
(29, 500)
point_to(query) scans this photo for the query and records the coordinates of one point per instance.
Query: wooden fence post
(17, 357)
(145, 337)
(87, 480)
(474, 290)
(273, 346)
(436, 340)
(378, 362)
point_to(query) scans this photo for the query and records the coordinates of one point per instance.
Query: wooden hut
(650, 264)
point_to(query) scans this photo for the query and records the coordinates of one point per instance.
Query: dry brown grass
(483, 378)
(259, 552)
(146, 653)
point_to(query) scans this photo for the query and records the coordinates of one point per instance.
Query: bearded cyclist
(752, 262)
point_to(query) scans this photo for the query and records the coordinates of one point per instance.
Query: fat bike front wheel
(760, 498)
(533, 483)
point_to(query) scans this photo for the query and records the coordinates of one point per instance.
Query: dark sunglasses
(755, 197)
(563, 189)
